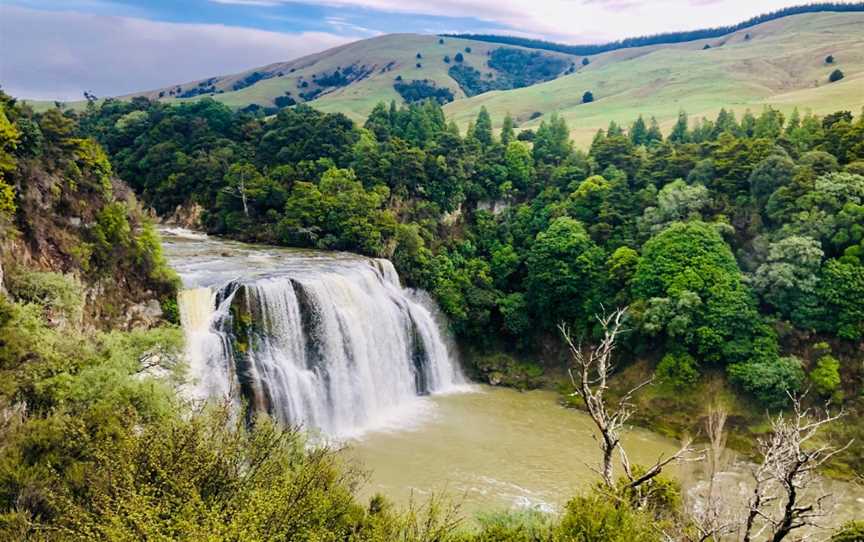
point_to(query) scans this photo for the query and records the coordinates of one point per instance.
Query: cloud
(571, 20)
(58, 55)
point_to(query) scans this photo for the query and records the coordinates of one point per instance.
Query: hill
(352, 78)
(779, 63)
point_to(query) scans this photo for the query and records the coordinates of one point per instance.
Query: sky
(57, 49)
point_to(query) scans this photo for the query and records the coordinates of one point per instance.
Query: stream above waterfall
(368, 363)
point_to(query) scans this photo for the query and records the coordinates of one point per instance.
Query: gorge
(330, 341)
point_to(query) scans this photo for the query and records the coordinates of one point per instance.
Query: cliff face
(69, 214)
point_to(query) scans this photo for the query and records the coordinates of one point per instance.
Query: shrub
(602, 518)
(513, 526)
(769, 382)
(835, 76)
(826, 375)
(829, 59)
(588, 97)
(852, 531)
(677, 371)
(585, 61)
(61, 296)
(459, 57)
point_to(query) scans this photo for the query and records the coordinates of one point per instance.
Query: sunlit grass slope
(781, 63)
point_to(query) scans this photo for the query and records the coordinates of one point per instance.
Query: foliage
(564, 274)
(826, 375)
(740, 222)
(835, 76)
(771, 382)
(677, 371)
(61, 296)
(419, 90)
(852, 531)
(693, 292)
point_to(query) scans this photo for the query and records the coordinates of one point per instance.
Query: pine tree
(654, 134)
(483, 128)
(507, 132)
(679, 133)
(639, 132)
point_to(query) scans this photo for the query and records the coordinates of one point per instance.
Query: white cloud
(58, 55)
(574, 20)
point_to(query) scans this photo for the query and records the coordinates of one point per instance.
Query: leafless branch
(589, 375)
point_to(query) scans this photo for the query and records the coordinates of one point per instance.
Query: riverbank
(676, 413)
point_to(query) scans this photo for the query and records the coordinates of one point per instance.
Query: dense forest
(736, 243)
(666, 38)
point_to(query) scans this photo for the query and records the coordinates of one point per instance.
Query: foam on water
(334, 345)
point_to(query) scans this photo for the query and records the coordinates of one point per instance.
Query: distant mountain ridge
(667, 37)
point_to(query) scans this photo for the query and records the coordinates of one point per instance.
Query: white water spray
(336, 346)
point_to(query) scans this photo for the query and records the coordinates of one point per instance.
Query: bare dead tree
(712, 520)
(790, 460)
(589, 375)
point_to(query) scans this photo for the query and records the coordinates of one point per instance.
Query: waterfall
(337, 346)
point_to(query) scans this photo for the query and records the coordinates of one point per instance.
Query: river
(415, 432)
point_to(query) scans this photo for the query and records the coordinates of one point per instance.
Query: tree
(459, 58)
(677, 371)
(829, 59)
(789, 278)
(639, 132)
(552, 143)
(790, 463)
(588, 97)
(773, 172)
(520, 165)
(676, 202)
(680, 133)
(483, 128)
(564, 272)
(589, 376)
(841, 289)
(585, 61)
(507, 132)
(835, 76)
(826, 375)
(688, 286)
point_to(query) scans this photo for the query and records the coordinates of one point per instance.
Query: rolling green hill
(366, 72)
(779, 63)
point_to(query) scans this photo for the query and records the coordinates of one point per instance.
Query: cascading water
(331, 342)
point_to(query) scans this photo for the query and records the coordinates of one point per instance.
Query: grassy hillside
(378, 62)
(781, 63)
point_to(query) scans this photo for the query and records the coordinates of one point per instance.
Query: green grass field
(782, 64)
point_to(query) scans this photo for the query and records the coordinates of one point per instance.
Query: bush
(585, 61)
(514, 526)
(826, 375)
(852, 531)
(835, 76)
(603, 518)
(459, 57)
(588, 97)
(678, 371)
(769, 382)
(829, 59)
(61, 296)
